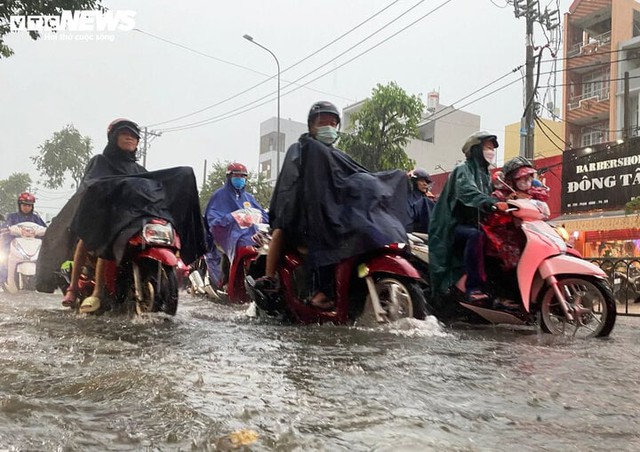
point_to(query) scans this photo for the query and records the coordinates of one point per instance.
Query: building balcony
(589, 107)
(585, 100)
(585, 55)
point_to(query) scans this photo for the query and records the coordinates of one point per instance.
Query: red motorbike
(146, 275)
(380, 286)
(232, 288)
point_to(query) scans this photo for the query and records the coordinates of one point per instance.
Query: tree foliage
(632, 206)
(383, 127)
(65, 154)
(257, 185)
(10, 188)
(10, 8)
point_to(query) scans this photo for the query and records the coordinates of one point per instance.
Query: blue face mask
(238, 182)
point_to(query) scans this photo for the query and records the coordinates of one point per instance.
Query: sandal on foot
(323, 303)
(477, 298)
(70, 298)
(90, 304)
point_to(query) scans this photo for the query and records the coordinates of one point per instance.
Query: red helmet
(237, 168)
(26, 198)
(123, 124)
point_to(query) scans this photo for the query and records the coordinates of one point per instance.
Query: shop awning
(598, 221)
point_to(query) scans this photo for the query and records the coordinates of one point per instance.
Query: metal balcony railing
(599, 40)
(623, 274)
(595, 96)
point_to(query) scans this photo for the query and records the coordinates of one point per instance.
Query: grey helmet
(476, 139)
(420, 173)
(322, 107)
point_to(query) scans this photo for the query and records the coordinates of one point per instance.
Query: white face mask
(489, 155)
(524, 183)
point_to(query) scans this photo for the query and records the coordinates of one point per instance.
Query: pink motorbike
(548, 285)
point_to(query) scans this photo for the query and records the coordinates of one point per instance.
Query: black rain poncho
(59, 242)
(334, 206)
(119, 206)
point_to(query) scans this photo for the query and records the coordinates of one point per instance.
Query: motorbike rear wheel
(399, 298)
(159, 288)
(592, 304)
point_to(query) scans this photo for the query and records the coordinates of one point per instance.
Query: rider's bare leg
(79, 258)
(275, 251)
(97, 289)
(92, 303)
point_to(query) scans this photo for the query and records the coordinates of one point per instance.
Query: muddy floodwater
(214, 378)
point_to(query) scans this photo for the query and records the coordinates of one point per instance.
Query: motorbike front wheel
(399, 298)
(591, 303)
(159, 288)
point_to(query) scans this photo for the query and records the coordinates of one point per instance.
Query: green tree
(257, 185)
(10, 188)
(10, 8)
(215, 179)
(383, 127)
(632, 206)
(65, 154)
(260, 188)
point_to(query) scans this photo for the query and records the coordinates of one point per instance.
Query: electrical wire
(498, 6)
(299, 61)
(215, 118)
(240, 110)
(437, 117)
(540, 127)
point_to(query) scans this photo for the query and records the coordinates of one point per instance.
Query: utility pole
(146, 142)
(204, 175)
(529, 124)
(530, 9)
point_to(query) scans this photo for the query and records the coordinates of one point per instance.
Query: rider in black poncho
(114, 197)
(331, 205)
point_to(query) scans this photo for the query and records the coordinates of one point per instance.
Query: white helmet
(478, 138)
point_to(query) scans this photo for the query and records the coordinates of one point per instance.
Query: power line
(217, 117)
(453, 110)
(552, 131)
(502, 7)
(587, 55)
(583, 126)
(285, 70)
(236, 112)
(587, 66)
(226, 62)
(604, 80)
(540, 127)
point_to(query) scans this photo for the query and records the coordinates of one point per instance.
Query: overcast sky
(47, 84)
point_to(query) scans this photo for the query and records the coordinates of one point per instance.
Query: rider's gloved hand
(501, 206)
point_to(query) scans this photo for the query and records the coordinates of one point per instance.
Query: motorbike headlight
(158, 234)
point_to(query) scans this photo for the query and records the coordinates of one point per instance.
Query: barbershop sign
(600, 178)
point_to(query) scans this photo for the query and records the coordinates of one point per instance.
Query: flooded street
(75, 383)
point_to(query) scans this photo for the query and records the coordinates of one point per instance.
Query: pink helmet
(522, 172)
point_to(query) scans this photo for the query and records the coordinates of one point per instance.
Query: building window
(594, 135)
(268, 142)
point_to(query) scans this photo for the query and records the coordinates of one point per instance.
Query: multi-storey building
(441, 133)
(290, 131)
(602, 42)
(601, 170)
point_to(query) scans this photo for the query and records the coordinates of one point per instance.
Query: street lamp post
(250, 39)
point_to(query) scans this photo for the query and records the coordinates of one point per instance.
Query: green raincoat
(464, 197)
